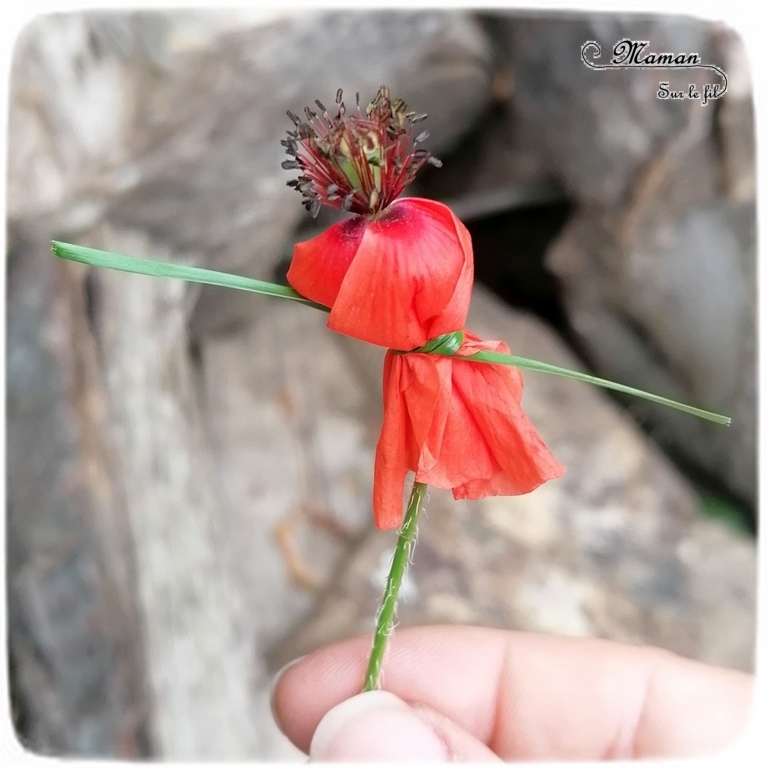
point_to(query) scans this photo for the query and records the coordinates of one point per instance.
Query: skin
(474, 694)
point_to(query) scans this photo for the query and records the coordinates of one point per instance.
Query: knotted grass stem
(447, 345)
(385, 618)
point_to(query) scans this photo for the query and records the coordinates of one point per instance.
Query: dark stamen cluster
(358, 162)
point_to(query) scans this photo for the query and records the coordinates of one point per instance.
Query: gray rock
(76, 77)
(595, 130)
(658, 262)
(76, 652)
(83, 78)
(662, 293)
(209, 181)
(736, 122)
(189, 496)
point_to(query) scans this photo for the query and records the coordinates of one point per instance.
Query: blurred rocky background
(189, 470)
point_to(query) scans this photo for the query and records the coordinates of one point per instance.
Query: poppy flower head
(358, 161)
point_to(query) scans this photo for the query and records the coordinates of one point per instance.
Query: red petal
(319, 265)
(473, 343)
(522, 459)
(427, 395)
(410, 279)
(464, 454)
(391, 463)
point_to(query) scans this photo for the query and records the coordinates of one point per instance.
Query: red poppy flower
(457, 424)
(401, 271)
(399, 274)
(397, 278)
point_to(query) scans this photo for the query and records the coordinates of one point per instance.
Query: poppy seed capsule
(366, 156)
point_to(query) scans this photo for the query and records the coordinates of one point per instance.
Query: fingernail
(376, 726)
(275, 681)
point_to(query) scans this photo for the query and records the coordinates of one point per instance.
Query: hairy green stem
(385, 618)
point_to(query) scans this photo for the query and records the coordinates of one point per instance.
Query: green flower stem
(97, 258)
(500, 358)
(385, 619)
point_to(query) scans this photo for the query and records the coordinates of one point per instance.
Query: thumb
(379, 726)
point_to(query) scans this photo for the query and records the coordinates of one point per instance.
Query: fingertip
(273, 694)
(306, 688)
(376, 725)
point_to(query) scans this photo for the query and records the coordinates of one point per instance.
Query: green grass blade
(535, 365)
(152, 268)
(96, 258)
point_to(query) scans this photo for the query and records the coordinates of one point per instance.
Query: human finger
(530, 696)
